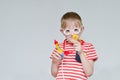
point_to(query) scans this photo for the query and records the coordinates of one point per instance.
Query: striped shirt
(70, 69)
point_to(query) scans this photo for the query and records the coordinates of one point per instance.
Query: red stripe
(71, 68)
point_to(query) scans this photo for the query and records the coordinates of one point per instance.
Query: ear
(61, 30)
(82, 28)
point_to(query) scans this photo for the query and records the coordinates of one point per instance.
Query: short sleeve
(91, 53)
(53, 52)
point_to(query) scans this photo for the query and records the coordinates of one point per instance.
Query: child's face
(71, 28)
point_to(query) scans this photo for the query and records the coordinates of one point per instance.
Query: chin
(69, 40)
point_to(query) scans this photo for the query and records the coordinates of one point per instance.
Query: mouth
(74, 37)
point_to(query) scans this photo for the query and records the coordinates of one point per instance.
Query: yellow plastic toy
(75, 37)
(77, 57)
(58, 48)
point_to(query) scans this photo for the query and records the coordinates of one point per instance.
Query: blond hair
(70, 16)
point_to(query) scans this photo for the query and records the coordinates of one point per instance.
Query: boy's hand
(77, 45)
(56, 58)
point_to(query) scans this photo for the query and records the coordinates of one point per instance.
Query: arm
(54, 69)
(56, 60)
(88, 65)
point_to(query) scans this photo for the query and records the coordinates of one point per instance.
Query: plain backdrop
(29, 27)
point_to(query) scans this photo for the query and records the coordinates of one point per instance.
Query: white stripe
(74, 72)
(69, 66)
(72, 63)
(95, 57)
(70, 76)
(91, 54)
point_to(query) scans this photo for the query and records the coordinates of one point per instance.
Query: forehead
(71, 24)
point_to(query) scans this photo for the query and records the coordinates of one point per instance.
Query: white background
(28, 28)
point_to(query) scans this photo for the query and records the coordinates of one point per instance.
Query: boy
(79, 56)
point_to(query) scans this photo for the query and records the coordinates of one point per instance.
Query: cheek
(80, 33)
(69, 36)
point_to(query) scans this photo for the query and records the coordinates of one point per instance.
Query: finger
(76, 45)
(72, 40)
(58, 55)
(55, 57)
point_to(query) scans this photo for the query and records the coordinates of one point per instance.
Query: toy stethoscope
(62, 52)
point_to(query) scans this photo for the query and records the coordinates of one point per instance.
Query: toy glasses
(72, 31)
